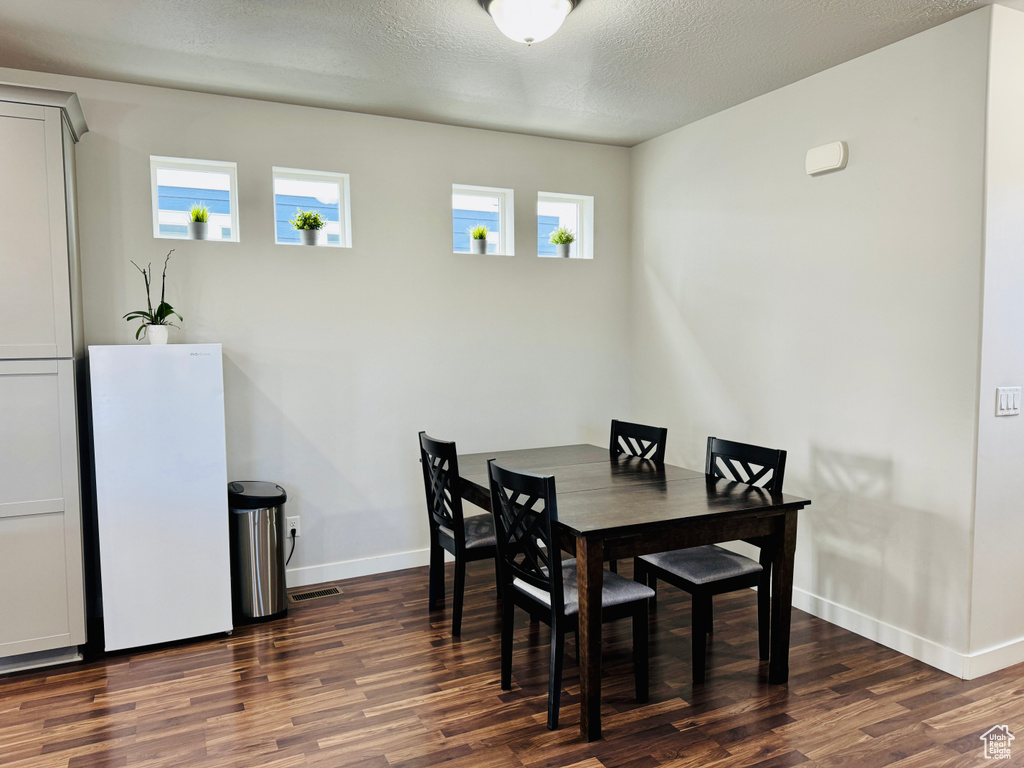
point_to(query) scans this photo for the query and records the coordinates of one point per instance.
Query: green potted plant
(198, 216)
(154, 321)
(309, 224)
(562, 238)
(478, 239)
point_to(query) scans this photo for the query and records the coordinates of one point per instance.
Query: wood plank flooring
(367, 678)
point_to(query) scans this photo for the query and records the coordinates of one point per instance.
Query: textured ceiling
(618, 72)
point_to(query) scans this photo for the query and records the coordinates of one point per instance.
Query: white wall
(997, 623)
(335, 359)
(837, 317)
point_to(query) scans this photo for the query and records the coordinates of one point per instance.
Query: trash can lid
(255, 494)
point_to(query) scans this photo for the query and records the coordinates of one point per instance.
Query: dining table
(617, 507)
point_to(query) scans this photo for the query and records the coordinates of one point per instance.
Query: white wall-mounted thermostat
(826, 158)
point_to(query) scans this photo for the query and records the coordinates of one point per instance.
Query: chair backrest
(440, 463)
(638, 440)
(524, 510)
(751, 464)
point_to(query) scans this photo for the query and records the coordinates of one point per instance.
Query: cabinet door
(42, 603)
(35, 302)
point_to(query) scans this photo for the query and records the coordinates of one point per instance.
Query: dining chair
(466, 538)
(638, 440)
(712, 570)
(533, 577)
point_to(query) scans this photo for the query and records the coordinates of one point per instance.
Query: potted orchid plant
(155, 322)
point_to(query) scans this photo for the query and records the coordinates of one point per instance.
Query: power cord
(292, 551)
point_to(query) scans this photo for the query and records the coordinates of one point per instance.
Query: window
(483, 206)
(575, 213)
(179, 183)
(326, 193)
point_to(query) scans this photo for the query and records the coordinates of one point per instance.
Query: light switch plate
(1007, 401)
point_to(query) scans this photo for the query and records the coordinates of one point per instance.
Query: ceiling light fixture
(528, 21)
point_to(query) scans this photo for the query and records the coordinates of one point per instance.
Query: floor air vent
(301, 597)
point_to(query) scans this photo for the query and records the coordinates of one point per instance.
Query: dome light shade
(528, 21)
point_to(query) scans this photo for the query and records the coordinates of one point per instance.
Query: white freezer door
(161, 488)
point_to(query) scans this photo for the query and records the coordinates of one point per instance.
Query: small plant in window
(198, 216)
(309, 224)
(562, 238)
(154, 322)
(478, 239)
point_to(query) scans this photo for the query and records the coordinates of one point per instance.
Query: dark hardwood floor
(367, 678)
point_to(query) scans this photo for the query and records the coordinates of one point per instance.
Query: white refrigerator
(161, 492)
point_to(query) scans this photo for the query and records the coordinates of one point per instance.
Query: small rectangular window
(312, 191)
(572, 212)
(490, 207)
(178, 184)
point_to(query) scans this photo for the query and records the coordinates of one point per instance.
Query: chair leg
(709, 615)
(436, 576)
(764, 607)
(508, 617)
(497, 578)
(699, 635)
(555, 677)
(643, 575)
(457, 592)
(641, 652)
(613, 566)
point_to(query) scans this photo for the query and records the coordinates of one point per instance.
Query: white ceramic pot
(197, 230)
(157, 334)
(477, 246)
(562, 250)
(308, 236)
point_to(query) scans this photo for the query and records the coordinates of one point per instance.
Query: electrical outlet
(292, 524)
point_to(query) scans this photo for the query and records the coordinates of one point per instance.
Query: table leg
(782, 599)
(589, 567)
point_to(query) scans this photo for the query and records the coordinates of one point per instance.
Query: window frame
(157, 162)
(344, 200)
(506, 214)
(584, 243)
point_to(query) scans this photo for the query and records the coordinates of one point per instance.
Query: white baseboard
(39, 659)
(966, 666)
(994, 659)
(349, 569)
(962, 665)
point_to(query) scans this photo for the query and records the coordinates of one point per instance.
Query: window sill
(315, 245)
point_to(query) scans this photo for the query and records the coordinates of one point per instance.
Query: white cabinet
(42, 602)
(41, 590)
(35, 289)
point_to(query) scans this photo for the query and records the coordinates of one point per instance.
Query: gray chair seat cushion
(479, 531)
(615, 590)
(704, 565)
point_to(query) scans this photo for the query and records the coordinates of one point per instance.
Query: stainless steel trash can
(257, 550)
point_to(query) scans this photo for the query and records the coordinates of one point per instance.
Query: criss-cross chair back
(440, 462)
(751, 464)
(638, 440)
(524, 509)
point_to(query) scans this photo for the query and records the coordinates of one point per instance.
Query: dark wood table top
(597, 494)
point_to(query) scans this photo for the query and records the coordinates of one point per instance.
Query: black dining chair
(638, 440)
(466, 538)
(712, 570)
(533, 577)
